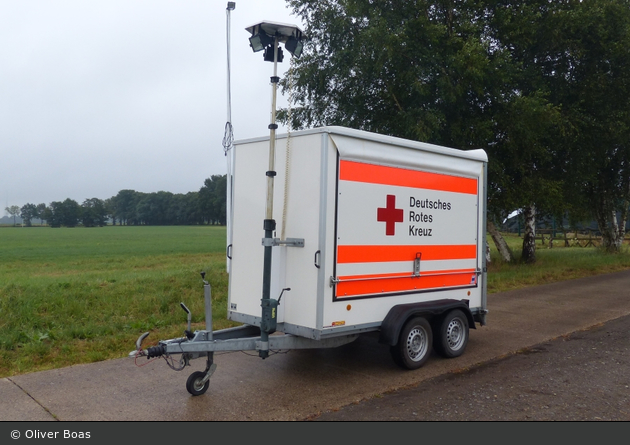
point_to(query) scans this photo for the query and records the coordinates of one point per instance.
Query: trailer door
(403, 230)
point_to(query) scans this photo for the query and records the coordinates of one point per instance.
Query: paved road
(584, 376)
(304, 384)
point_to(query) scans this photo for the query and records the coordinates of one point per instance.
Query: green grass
(70, 296)
(81, 295)
(552, 264)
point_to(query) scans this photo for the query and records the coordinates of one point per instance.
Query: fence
(584, 238)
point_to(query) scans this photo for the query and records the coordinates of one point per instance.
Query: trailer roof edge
(475, 154)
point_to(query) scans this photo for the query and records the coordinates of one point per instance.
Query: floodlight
(265, 33)
(259, 41)
(294, 46)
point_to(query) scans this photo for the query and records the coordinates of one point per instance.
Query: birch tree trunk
(529, 238)
(499, 242)
(488, 258)
(614, 226)
(602, 224)
(621, 234)
(620, 229)
(613, 231)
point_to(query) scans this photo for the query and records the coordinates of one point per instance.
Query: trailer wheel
(414, 344)
(452, 335)
(194, 385)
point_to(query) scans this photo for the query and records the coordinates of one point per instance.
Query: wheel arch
(399, 314)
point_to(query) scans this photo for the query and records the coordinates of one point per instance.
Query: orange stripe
(403, 274)
(409, 284)
(378, 174)
(372, 254)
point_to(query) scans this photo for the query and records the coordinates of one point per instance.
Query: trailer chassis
(410, 330)
(205, 343)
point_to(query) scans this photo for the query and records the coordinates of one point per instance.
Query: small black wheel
(194, 385)
(414, 344)
(452, 334)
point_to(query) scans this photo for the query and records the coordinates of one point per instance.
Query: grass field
(70, 296)
(555, 264)
(82, 295)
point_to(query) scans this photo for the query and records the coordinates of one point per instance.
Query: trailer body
(374, 233)
(365, 223)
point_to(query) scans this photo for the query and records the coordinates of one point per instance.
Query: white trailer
(374, 233)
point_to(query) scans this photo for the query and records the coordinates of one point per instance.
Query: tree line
(543, 86)
(129, 207)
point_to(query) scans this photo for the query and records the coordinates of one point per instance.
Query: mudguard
(399, 314)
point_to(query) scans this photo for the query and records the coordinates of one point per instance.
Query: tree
(524, 151)
(110, 210)
(192, 208)
(54, 214)
(212, 199)
(153, 208)
(184, 209)
(593, 83)
(28, 212)
(578, 55)
(531, 126)
(414, 69)
(502, 246)
(543, 86)
(421, 70)
(41, 211)
(71, 213)
(124, 204)
(14, 211)
(131, 207)
(93, 213)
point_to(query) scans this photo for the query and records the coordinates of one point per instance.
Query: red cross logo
(390, 215)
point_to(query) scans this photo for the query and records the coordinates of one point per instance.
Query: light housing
(294, 46)
(268, 55)
(259, 41)
(264, 34)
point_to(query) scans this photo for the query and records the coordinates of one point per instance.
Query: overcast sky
(104, 95)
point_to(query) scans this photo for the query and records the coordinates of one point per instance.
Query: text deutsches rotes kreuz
(420, 221)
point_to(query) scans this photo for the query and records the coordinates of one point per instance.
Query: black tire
(451, 336)
(193, 384)
(414, 344)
